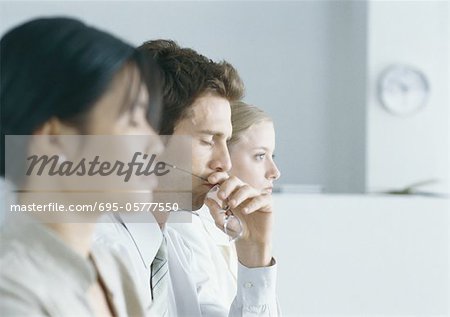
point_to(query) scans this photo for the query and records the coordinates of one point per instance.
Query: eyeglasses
(232, 225)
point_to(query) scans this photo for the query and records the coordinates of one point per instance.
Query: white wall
(302, 61)
(362, 255)
(314, 67)
(404, 150)
(345, 93)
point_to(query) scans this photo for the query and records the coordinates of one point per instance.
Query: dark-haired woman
(61, 77)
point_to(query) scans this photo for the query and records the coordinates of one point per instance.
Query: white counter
(362, 255)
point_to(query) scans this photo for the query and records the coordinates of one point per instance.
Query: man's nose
(221, 161)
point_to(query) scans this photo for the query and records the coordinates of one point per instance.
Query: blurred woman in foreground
(61, 77)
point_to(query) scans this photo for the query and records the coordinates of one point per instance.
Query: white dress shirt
(215, 255)
(196, 287)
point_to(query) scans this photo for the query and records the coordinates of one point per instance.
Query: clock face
(403, 90)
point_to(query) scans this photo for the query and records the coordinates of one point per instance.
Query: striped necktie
(159, 282)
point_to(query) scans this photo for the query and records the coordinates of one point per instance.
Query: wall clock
(403, 90)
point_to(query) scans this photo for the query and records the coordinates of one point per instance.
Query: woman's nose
(273, 173)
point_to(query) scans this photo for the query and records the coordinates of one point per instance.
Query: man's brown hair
(187, 75)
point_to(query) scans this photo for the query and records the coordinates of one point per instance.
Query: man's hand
(255, 212)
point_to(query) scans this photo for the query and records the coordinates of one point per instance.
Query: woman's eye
(260, 156)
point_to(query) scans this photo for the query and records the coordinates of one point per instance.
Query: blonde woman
(252, 147)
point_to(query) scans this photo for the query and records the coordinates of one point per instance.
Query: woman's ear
(54, 126)
(51, 131)
(49, 128)
(43, 129)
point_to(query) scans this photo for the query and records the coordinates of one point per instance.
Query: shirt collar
(146, 235)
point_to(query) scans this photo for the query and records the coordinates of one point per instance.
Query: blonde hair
(244, 116)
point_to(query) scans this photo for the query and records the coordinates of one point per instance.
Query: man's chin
(198, 199)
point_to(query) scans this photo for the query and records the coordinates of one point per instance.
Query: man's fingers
(218, 177)
(229, 186)
(260, 203)
(216, 212)
(240, 195)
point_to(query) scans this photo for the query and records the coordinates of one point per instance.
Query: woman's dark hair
(59, 67)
